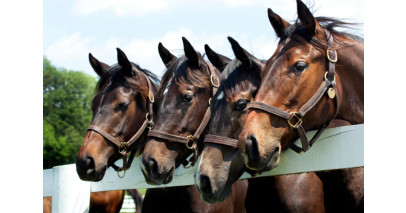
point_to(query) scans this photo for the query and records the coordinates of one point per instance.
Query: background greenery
(67, 99)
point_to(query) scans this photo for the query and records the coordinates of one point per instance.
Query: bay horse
(221, 163)
(297, 94)
(122, 109)
(183, 101)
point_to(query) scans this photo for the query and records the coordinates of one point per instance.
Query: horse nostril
(205, 186)
(150, 164)
(251, 146)
(89, 162)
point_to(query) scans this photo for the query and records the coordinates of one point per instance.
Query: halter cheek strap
(123, 146)
(190, 141)
(294, 119)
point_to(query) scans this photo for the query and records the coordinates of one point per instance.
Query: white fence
(337, 148)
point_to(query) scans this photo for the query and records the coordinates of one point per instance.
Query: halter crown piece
(122, 146)
(190, 141)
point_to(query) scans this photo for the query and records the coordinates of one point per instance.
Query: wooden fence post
(69, 193)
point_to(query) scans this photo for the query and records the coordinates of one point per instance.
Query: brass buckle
(299, 120)
(334, 60)
(151, 96)
(215, 81)
(190, 138)
(123, 148)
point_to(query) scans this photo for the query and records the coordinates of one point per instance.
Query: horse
(123, 101)
(221, 163)
(107, 201)
(297, 94)
(122, 111)
(181, 119)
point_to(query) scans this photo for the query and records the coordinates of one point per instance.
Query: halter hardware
(298, 122)
(190, 138)
(215, 81)
(334, 58)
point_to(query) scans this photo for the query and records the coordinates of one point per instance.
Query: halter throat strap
(124, 145)
(294, 119)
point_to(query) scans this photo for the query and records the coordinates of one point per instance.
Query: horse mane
(179, 71)
(231, 77)
(114, 74)
(328, 23)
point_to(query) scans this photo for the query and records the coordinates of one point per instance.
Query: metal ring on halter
(118, 173)
(334, 60)
(190, 138)
(325, 77)
(215, 81)
(123, 148)
(299, 120)
(151, 96)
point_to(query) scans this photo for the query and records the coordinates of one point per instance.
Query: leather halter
(124, 145)
(294, 119)
(190, 141)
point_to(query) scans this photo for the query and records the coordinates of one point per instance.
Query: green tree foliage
(67, 99)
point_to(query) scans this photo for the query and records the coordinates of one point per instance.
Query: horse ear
(99, 67)
(124, 62)
(166, 56)
(278, 24)
(218, 60)
(308, 20)
(190, 53)
(239, 52)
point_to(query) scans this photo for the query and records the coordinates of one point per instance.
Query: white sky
(74, 28)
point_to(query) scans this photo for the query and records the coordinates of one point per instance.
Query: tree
(67, 99)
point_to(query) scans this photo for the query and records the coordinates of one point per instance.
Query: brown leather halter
(124, 145)
(190, 141)
(328, 85)
(294, 119)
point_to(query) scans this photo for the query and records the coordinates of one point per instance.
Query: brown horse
(186, 88)
(221, 163)
(108, 201)
(291, 76)
(292, 97)
(121, 108)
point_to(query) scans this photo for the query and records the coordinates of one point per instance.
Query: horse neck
(350, 71)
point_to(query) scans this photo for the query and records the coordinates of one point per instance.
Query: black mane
(328, 23)
(114, 74)
(180, 71)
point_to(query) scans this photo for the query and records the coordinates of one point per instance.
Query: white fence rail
(337, 148)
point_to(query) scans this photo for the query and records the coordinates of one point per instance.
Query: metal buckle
(334, 60)
(325, 77)
(215, 81)
(190, 138)
(299, 120)
(151, 96)
(123, 148)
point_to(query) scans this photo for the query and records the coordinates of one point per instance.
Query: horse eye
(186, 98)
(123, 106)
(300, 66)
(241, 104)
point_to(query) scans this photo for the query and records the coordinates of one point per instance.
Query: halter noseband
(190, 141)
(294, 119)
(124, 145)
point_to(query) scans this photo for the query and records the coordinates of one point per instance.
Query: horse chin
(92, 175)
(157, 179)
(217, 197)
(265, 165)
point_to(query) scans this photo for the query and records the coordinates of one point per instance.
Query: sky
(74, 28)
